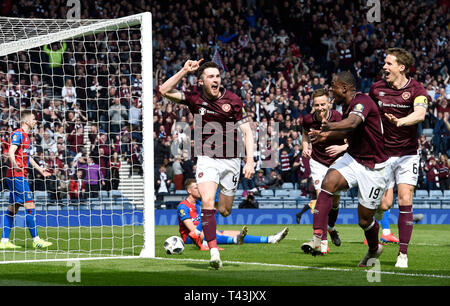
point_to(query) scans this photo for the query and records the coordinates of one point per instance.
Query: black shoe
(335, 238)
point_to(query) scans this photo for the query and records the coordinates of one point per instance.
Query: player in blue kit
(190, 225)
(19, 159)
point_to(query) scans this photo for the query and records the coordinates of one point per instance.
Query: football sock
(405, 227)
(385, 222)
(371, 233)
(222, 239)
(30, 222)
(321, 211)
(209, 226)
(256, 239)
(8, 224)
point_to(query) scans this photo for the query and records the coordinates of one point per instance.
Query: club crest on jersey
(406, 95)
(358, 108)
(226, 107)
(202, 111)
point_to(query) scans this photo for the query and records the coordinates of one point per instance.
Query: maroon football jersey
(365, 143)
(216, 123)
(399, 141)
(318, 150)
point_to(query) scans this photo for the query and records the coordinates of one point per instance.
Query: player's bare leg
(405, 222)
(208, 193)
(371, 228)
(225, 204)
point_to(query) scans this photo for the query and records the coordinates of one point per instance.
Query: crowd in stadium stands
(274, 54)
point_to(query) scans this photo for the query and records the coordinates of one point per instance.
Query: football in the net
(174, 245)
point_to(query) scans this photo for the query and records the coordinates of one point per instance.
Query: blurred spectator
(177, 173)
(54, 69)
(444, 179)
(114, 166)
(249, 202)
(274, 180)
(48, 143)
(93, 176)
(117, 116)
(135, 160)
(162, 183)
(76, 141)
(77, 186)
(432, 174)
(68, 94)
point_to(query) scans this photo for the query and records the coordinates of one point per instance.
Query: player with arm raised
(322, 158)
(17, 181)
(363, 165)
(217, 112)
(403, 104)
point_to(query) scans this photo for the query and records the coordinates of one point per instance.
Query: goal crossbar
(75, 28)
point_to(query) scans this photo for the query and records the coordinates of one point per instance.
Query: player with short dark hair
(363, 165)
(20, 193)
(403, 103)
(322, 155)
(218, 114)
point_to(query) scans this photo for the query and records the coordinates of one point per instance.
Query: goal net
(89, 86)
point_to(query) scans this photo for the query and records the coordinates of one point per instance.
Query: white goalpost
(89, 84)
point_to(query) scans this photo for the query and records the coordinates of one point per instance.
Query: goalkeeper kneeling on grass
(190, 226)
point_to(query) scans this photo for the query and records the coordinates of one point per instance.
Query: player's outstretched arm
(346, 125)
(417, 116)
(168, 90)
(336, 149)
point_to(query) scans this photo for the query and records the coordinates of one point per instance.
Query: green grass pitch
(283, 264)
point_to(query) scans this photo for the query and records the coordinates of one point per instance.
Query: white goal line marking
(311, 267)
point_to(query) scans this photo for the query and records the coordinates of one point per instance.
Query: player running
(218, 165)
(322, 156)
(403, 104)
(20, 193)
(190, 225)
(363, 165)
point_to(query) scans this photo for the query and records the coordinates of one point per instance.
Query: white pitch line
(312, 268)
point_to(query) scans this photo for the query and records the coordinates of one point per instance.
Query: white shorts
(318, 172)
(372, 183)
(404, 170)
(223, 171)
